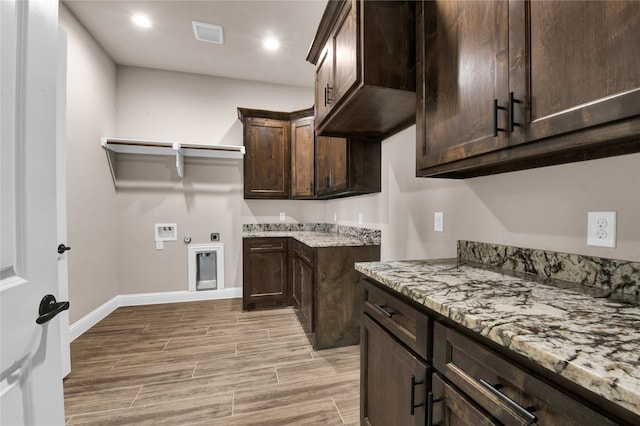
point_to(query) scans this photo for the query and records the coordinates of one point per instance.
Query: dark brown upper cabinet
(266, 161)
(302, 158)
(347, 167)
(547, 83)
(364, 52)
(285, 159)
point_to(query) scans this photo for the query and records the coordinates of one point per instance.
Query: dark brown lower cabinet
(320, 281)
(473, 381)
(265, 269)
(394, 382)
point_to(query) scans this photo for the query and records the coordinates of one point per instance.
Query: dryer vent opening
(206, 267)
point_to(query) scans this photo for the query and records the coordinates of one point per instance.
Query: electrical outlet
(335, 217)
(438, 222)
(282, 216)
(359, 218)
(601, 229)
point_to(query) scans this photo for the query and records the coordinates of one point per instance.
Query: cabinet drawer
(405, 322)
(450, 407)
(303, 251)
(503, 389)
(266, 244)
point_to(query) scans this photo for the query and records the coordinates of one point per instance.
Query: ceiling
(170, 43)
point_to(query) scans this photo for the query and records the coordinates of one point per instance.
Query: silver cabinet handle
(383, 310)
(530, 417)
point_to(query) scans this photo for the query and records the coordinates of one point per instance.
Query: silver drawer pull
(530, 417)
(383, 310)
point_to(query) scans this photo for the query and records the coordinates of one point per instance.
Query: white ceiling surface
(170, 43)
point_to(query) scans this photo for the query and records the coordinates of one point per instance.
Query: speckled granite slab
(617, 276)
(315, 234)
(592, 342)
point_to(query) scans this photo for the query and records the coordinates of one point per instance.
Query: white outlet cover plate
(283, 216)
(601, 229)
(165, 231)
(438, 222)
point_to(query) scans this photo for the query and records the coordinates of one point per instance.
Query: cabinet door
(323, 164)
(306, 290)
(345, 41)
(265, 272)
(393, 382)
(331, 165)
(267, 162)
(574, 65)
(302, 158)
(296, 281)
(338, 176)
(462, 53)
(324, 83)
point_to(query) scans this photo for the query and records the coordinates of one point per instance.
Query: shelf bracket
(179, 159)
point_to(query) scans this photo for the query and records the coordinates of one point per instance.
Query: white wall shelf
(113, 146)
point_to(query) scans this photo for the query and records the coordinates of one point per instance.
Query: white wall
(91, 203)
(544, 208)
(191, 108)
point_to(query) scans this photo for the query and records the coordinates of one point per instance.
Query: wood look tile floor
(208, 363)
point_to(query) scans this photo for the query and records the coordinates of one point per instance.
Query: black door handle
(62, 248)
(497, 107)
(49, 308)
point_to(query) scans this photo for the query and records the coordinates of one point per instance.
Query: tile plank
(187, 411)
(318, 367)
(251, 361)
(202, 387)
(312, 389)
(322, 412)
(108, 399)
(349, 407)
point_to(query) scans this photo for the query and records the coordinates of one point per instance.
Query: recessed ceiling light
(271, 43)
(141, 21)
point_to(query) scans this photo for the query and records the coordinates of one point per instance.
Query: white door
(30, 361)
(61, 195)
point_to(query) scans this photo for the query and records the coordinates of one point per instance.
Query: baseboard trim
(85, 323)
(92, 318)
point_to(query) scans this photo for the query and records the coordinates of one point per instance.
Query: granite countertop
(593, 342)
(316, 235)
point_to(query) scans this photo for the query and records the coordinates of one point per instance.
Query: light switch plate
(438, 222)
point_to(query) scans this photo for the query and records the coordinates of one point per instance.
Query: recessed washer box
(166, 231)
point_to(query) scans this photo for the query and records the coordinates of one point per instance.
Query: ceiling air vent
(211, 33)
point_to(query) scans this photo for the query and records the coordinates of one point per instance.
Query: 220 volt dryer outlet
(601, 229)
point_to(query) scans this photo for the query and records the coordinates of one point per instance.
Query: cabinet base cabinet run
(420, 368)
(320, 282)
